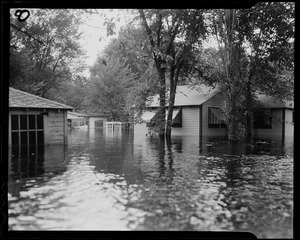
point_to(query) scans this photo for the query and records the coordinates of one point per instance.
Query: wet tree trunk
(160, 124)
(174, 76)
(232, 120)
(248, 113)
(162, 102)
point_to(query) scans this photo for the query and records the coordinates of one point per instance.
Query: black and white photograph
(151, 119)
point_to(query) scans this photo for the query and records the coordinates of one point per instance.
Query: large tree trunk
(174, 76)
(231, 121)
(170, 116)
(162, 102)
(248, 113)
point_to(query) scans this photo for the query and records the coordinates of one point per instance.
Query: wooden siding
(289, 125)
(216, 101)
(140, 128)
(55, 130)
(56, 127)
(190, 122)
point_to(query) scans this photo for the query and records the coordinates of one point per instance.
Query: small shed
(34, 120)
(96, 120)
(76, 120)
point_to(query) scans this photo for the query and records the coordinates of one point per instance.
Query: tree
(270, 36)
(51, 55)
(108, 89)
(131, 47)
(73, 93)
(173, 35)
(254, 53)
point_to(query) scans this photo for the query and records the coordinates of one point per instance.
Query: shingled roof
(270, 102)
(20, 99)
(187, 96)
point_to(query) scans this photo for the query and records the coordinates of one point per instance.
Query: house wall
(190, 122)
(55, 125)
(140, 128)
(289, 124)
(91, 121)
(276, 129)
(56, 130)
(216, 101)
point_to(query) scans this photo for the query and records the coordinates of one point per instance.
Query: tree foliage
(173, 34)
(52, 55)
(255, 53)
(132, 48)
(108, 89)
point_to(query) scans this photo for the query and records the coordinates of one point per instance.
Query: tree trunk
(174, 76)
(162, 102)
(232, 121)
(169, 119)
(248, 113)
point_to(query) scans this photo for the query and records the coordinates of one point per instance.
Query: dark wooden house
(35, 120)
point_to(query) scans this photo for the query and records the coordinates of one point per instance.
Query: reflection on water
(124, 181)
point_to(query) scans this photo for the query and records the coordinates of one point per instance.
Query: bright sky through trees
(94, 38)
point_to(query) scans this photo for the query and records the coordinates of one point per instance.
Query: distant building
(96, 120)
(76, 120)
(91, 120)
(197, 113)
(35, 120)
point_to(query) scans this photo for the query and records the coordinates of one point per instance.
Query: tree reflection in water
(110, 181)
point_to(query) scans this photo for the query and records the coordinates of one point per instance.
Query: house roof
(270, 102)
(95, 114)
(187, 96)
(77, 114)
(21, 99)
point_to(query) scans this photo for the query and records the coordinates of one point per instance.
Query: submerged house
(277, 120)
(91, 120)
(96, 120)
(35, 120)
(76, 120)
(197, 112)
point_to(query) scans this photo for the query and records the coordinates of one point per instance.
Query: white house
(197, 113)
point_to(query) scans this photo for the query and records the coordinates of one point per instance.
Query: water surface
(125, 181)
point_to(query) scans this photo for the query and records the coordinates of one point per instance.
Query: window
(152, 117)
(27, 129)
(262, 119)
(215, 118)
(177, 118)
(99, 124)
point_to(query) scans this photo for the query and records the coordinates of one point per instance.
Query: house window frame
(173, 125)
(27, 130)
(263, 125)
(214, 125)
(179, 115)
(97, 121)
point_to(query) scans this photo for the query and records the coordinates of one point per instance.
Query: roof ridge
(41, 98)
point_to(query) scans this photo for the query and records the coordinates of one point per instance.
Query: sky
(93, 30)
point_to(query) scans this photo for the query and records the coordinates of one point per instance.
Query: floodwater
(125, 181)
